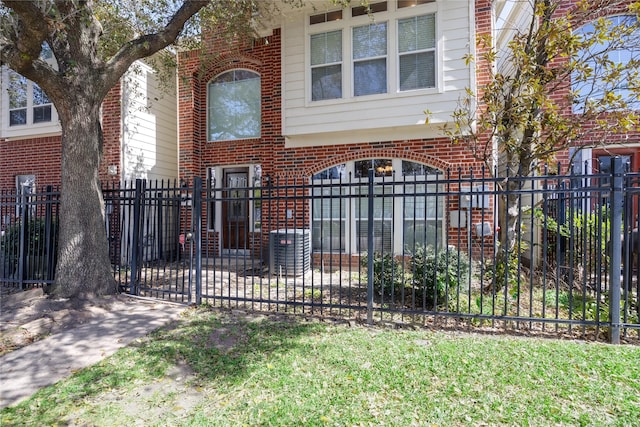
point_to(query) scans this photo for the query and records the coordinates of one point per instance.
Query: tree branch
(149, 44)
(24, 44)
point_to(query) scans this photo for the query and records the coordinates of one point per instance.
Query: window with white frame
(27, 110)
(605, 69)
(416, 50)
(234, 106)
(326, 65)
(407, 209)
(28, 104)
(386, 47)
(370, 59)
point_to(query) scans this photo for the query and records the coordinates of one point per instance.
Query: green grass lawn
(218, 369)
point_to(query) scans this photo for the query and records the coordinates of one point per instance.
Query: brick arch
(379, 154)
(229, 62)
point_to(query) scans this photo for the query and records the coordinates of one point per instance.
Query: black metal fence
(29, 227)
(435, 248)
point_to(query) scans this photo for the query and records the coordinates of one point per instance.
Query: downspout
(123, 135)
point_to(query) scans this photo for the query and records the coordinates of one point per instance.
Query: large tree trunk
(83, 267)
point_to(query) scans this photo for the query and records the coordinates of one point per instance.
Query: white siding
(149, 127)
(513, 17)
(395, 114)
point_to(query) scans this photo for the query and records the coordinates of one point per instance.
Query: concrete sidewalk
(45, 362)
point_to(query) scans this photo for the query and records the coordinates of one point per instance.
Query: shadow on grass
(217, 347)
(225, 347)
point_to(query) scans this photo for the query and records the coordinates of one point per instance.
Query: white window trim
(397, 216)
(346, 24)
(353, 61)
(327, 64)
(217, 187)
(29, 129)
(577, 109)
(207, 106)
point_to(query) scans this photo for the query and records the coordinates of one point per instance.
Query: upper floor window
(326, 65)
(370, 59)
(388, 47)
(412, 3)
(234, 107)
(417, 52)
(606, 68)
(28, 104)
(26, 110)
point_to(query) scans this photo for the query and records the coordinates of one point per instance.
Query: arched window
(233, 106)
(607, 65)
(407, 213)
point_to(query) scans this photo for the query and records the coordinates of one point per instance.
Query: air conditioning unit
(290, 251)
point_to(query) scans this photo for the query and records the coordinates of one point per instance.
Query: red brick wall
(196, 154)
(112, 133)
(42, 156)
(34, 156)
(197, 69)
(287, 165)
(592, 134)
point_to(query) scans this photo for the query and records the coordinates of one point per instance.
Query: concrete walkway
(45, 362)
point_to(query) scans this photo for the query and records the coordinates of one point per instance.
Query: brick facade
(41, 156)
(286, 164)
(263, 57)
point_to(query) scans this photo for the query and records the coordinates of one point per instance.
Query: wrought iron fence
(28, 236)
(552, 253)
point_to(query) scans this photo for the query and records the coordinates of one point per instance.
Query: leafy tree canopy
(565, 70)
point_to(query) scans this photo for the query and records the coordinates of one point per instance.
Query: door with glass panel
(235, 209)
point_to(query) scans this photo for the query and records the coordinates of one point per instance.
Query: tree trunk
(509, 218)
(84, 268)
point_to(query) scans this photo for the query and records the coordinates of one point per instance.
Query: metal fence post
(196, 218)
(136, 241)
(50, 229)
(615, 218)
(370, 254)
(23, 251)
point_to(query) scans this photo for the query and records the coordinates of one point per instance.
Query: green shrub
(432, 275)
(35, 239)
(436, 273)
(388, 274)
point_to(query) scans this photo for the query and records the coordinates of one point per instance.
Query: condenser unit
(290, 251)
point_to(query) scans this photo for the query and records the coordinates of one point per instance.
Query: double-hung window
(17, 92)
(326, 65)
(417, 52)
(385, 47)
(27, 110)
(370, 59)
(28, 104)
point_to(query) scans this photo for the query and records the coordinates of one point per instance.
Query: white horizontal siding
(150, 128)
(349, 114)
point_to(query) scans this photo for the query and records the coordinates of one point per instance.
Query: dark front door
(235, 208)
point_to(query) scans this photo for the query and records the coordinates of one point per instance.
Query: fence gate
(151, 239)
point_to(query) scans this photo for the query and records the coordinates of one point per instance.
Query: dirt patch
(28, 316)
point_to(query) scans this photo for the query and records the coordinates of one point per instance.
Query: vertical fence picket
(136, 241)
(196, 218)
(370, 248)
(615, 209)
